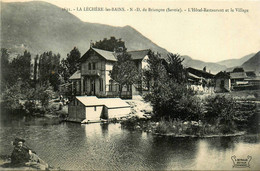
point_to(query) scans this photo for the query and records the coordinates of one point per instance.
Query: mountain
(40, 26)
(253, 64)
(230, 63)
(212, 67)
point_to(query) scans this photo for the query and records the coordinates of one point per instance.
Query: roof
(108, 102)
(257, 78)
(75, 76)
(111, 56)
(250, 74)
(138, 54)
(108, 55)
(237, 75)
(193, 76)
(89, 100)
(222, 75)
(114, 102)
(238, 69)
(200, 73)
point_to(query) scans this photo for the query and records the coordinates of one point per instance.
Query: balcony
(92, 72)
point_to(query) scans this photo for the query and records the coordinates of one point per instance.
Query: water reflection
(173, 153)
(104, 129)
(108, 147)
(221, 143)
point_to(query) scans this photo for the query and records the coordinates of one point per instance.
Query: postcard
(130, 85)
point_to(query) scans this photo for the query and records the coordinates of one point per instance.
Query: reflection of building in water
(104, 128)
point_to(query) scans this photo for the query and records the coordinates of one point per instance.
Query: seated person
(22, 155)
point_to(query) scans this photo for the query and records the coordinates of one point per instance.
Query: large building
(93, 77)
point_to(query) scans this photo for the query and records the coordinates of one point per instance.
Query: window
(94, 66)
(101, 84)
(110, 85)
(92, 85)
(95, 108)
(89, 66)
(128, 87)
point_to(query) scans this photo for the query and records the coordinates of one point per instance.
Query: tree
(4, 68)
(11, 97)
(169, 95)
(72, 60)
(35, 69)
(175, 69)
(124, 71)
(222, 110)
(111, 44)
(69, 65)
(49, 67)
(20, 69)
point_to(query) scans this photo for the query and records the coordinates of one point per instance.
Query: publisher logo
(241, 162)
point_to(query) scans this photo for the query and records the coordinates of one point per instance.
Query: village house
(238, 79)
(200, 80)
(238, 76)
(93, 77)
(222, 82)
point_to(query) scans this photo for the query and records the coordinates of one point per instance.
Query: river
(108, 146)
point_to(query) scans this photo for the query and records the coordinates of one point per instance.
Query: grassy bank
(220, 116)
(178, 128)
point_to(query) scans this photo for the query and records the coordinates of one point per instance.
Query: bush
(246, 116)
(129, 123)
(220, 110)
(231, 115)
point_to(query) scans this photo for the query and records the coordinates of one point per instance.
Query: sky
(207, 36)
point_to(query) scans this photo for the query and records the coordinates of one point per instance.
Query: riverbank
(176, 128)
(142, 119)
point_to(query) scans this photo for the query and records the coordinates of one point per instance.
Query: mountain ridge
(40, 26)
(253, 63)
(230, 63)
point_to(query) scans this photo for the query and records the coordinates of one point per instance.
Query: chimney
(91, 43)
(204, 69)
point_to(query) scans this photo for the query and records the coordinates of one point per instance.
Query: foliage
(125, 71)
(23, 96)
(19, 69)
(170, 96)
(111, 44)
(35, 68)
(49, 66)
(220, 109)
(246, 116)
(70, 65)
(174, 68)
(11, 97)
(223, 111)
(4, 68)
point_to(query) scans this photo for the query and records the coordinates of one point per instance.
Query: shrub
(230, 115)
(246, 116)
